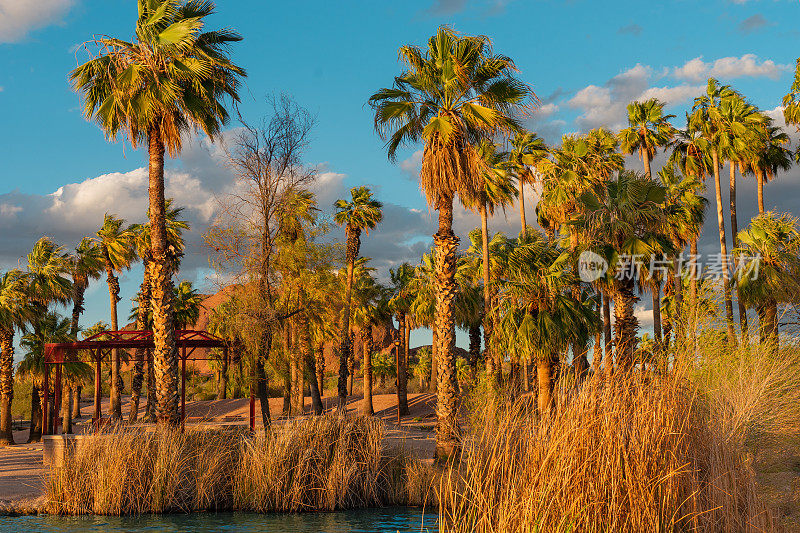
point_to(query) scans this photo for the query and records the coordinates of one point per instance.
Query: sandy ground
(21, 469)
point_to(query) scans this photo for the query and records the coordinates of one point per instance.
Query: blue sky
(584, 59)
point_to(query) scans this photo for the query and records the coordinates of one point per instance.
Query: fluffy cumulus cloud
(606, 105)
(748, 65)
(412, 165)
(19, 17)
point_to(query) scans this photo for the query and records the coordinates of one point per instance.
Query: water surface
(392, 519)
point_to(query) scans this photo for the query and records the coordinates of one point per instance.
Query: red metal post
(57, 399)
(44, 409)
(183, 387)
(97, 378)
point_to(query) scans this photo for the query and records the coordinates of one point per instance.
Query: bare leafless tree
(267, 160)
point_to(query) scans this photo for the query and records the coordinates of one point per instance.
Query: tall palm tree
(499, 191)
(450, 96)
(770, 270)
(370, 308)
(14, 313)
(740, 126)
(422, 288)
(47, 283)
(86, 264)
(648, 130)
(117, 246)
(171, 78)
(707, 119)
(527, 150)
(399, 304)
(174, 228)
(361, 213)
(538, 316)
(791, 102)
(770, 155)
(691, 154)
(624, 218)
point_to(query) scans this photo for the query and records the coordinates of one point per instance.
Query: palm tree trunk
(6, 385)
(35, 431)
(366, 339)
(116, 380)
(345, 348)
(597, 353)
(474, 345)
(351, 364)
(222, 383)
(692, 319)
(760, 180)
(608, 355)
(150, 407)
(165, 353)
(646, 163)
(433, 380)
(488, 324)
(625, 323)
(735, 241)
(402, 379)
(310, 363)
(523, 225)
(138, 366)
(320, 354)
(655, 291)
(723, 248)
(545, 385)
(448, 431)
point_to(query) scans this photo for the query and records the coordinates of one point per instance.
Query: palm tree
(117, 246)
(170, 79)
(791, 102)
(769, 270)
(770, 155)
(371, 307)
(527, 150)
(707, 119)
(422, 288)
(362, 213)
(620, 220)
(741, 125)
(538, 315)
(648, 130)
(174, 228)
(14, 311)
(499, 191)
(86, 264)
(399, 304)
(450, 97)
(47, 283)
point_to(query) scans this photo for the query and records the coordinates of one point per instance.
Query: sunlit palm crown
(175, 227)
(773, 241)
(14, 309)
(170, 77)
(48, 266)
(498, 184)
(527, 150)
(648, 128)
(363, 212)
(791, 102)
(450, 97)
(685, 205)
(86, 263)
(690, 150)
(770, 151)
(118, 241)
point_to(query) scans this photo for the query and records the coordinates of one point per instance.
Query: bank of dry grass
(322, 463)
(636, 452)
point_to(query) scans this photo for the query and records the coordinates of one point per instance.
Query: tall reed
(322, 463)
(631, 453)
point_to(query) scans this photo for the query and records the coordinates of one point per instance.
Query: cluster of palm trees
(458, 98)
(55, 278)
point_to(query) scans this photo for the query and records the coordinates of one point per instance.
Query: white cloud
(19, 17)
(729, 68)
(9, 210)
(412, 165)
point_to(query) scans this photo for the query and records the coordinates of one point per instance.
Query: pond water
(393, 519)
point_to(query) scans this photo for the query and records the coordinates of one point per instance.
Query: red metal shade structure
(99, 348)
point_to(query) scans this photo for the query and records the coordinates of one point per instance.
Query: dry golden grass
(639, 452)
(322, 463)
